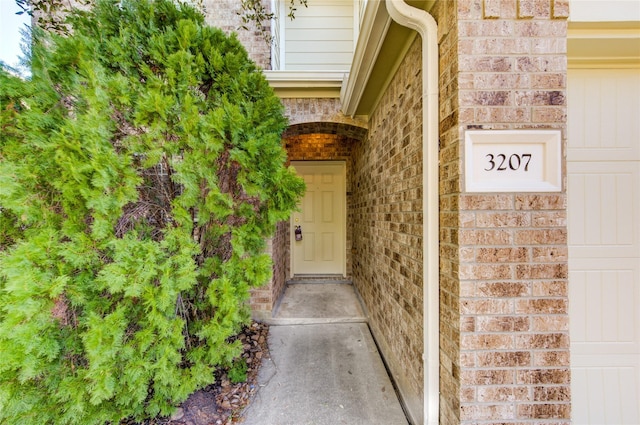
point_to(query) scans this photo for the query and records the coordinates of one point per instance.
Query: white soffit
(374, 27)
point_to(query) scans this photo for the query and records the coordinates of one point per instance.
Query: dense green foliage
(141, 170)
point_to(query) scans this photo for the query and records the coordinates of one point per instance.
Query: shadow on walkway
(324, 367)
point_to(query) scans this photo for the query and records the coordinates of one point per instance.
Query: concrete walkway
(324, 367)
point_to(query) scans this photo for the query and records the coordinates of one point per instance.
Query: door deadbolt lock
(298, 233)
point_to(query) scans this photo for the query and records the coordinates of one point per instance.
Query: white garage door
(603, 165)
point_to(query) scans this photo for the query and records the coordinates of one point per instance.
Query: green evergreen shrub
(141, 170)
(238, 371)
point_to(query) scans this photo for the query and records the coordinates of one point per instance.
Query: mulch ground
(222, 402)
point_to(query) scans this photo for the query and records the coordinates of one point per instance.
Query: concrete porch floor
(324, 367)
(313, 303)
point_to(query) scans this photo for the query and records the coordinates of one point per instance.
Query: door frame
(343, 172)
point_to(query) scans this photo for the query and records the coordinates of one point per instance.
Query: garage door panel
(603, 304)
(603, 188)
(602, 214)
(579, 414)
(604, 115)
(614, 387)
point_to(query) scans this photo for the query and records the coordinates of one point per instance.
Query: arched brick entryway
(309, 141)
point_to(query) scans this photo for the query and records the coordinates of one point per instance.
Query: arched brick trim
(339, 129)
(322, 115)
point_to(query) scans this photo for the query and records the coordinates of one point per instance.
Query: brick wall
(387, 209)
(450, 219)
(224, 15)
(323, 112)
(264, 299)
(504, 329)
(281, 265)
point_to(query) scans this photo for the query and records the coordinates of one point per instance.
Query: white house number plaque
(513, 160)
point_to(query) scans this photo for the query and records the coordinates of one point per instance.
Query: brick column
(504, 289)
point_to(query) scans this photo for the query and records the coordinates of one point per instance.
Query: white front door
(321, 220)
(603, 165)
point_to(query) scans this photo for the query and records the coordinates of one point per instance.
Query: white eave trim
(305, 78)
(375, 24)
(306, 84)
(604, 47)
